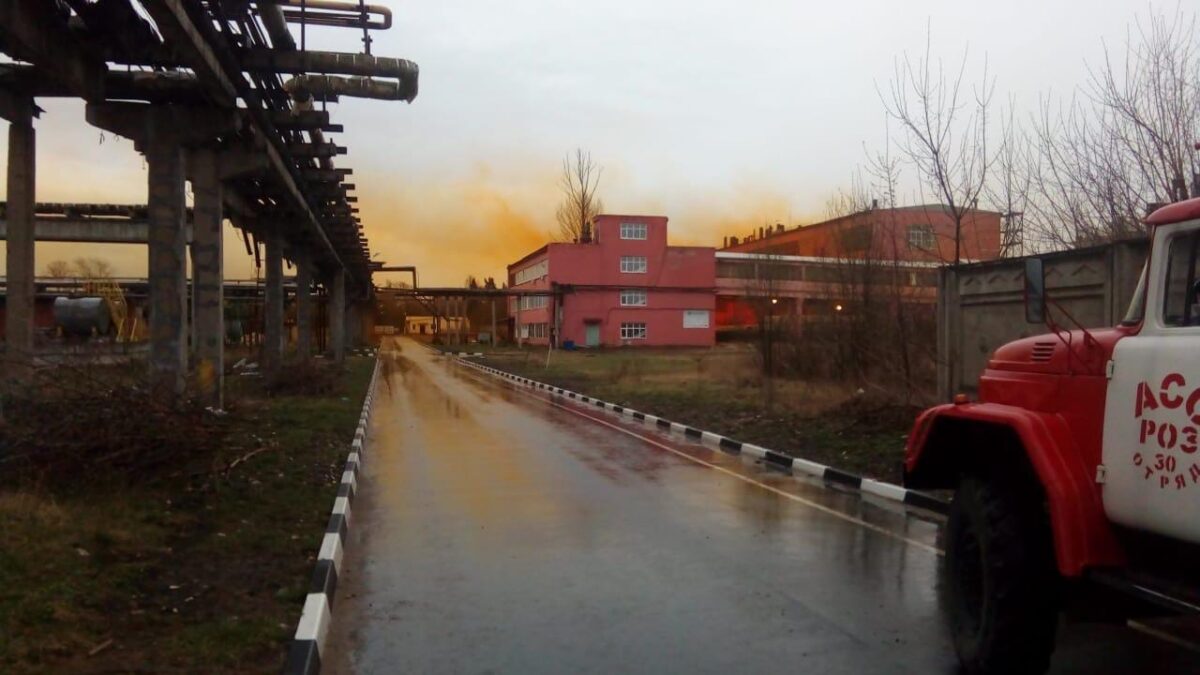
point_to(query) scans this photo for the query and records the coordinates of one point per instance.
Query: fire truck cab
(1077, 464)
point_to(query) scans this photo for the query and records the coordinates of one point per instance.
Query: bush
(304, 377)
(97, 424)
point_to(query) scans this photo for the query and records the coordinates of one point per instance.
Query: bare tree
(580, 203)
(945, 130)
(847, 202)
(58, 269)
(84, 268)
(93, 268)
(1123, 142)
(1010, 182)
(764, 289)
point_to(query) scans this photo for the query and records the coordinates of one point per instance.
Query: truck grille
(1042, 351)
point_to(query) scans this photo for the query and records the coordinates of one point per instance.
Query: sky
(722, 116)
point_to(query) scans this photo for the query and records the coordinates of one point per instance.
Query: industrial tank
(82, 316)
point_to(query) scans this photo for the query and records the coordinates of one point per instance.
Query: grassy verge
(720, 390)
(199, 568)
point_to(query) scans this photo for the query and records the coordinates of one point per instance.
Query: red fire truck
(1077, 465)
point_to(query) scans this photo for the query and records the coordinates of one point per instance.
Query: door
(592, 334)
(1152, 409)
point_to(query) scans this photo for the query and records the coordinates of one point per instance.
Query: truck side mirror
(1035, 291)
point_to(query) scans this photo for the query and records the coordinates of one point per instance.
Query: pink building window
(633, 297)
(635, 264)
(633, 330)
(633, 230)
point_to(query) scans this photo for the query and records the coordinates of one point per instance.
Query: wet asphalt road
(500, 531)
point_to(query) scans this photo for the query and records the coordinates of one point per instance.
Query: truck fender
(950, 439)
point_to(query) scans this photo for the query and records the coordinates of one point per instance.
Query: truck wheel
(1002, 582)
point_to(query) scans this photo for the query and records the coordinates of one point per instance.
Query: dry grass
(722, 390)
(194, 568)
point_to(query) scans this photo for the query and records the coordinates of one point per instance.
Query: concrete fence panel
(982, 306)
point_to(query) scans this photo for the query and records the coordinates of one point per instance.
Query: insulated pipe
(330, 63)
(361, 87)
(342, 14)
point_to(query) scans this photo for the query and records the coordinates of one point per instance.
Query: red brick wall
(883, 233)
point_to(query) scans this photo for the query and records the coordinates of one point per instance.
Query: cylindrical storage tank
(82, 316)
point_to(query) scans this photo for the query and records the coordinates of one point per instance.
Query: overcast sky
(719, 115)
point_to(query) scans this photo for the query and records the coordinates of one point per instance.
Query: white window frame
(636, 231)
(633, 330)
(634, 264)
(528, 302)
(695, 313)
(529, 273)
(926, 235)
(633, 297)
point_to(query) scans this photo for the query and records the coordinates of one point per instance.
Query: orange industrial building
(910, 233)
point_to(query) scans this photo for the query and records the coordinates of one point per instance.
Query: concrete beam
(90, 230)
(316, 149)
(154, 87)
(242, 162)
(17, 108)
(36, 32)
(177, 29)
(212, 59)
(304, 120)
(189, 125)
(325, 175)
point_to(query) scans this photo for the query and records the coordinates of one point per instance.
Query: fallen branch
(100, 647)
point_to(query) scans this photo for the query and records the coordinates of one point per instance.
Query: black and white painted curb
(304, 655)
(796, 464)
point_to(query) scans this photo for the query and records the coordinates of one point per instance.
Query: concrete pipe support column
(18, 329)
(168, 253)
(272, 354)
(304, 305)
(337, 316)
(208, 301)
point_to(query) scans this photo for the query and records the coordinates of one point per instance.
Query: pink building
(625, 287)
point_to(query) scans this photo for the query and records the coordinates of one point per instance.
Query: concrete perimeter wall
(982, 306)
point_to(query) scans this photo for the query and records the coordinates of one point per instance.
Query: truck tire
(1002, 584)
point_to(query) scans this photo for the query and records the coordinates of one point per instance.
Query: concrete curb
(829, 474)
(461, 355)
(304, 654)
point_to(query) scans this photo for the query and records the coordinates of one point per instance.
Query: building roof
(538, 251)
(896, 209)
(840, 219)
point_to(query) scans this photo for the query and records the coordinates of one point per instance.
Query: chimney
(725, 242)
(778, 228)
(761, 233)
(733, 241)
(874, 204)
